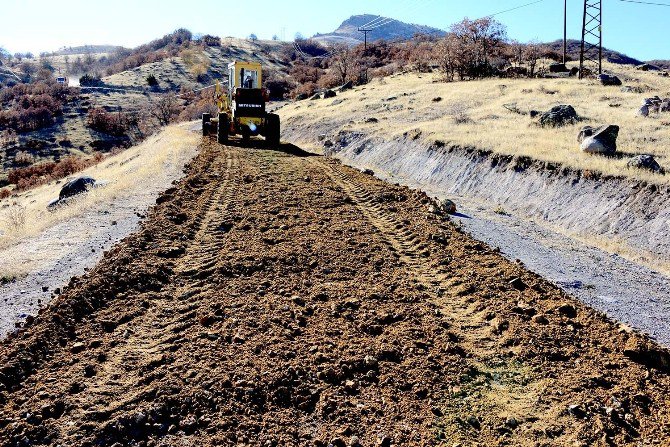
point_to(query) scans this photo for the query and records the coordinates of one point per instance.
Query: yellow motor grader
(242, 107)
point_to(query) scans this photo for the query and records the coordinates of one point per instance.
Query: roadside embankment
(41, 249)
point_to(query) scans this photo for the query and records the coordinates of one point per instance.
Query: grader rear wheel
(223, 128)
(206, 124)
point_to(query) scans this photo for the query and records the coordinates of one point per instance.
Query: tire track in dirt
(150, 342)
(472, 330)
(412, 251)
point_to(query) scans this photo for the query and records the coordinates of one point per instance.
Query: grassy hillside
(473, 114)
(127, 98)
(202, 66)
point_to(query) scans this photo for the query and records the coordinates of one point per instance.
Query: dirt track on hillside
(277, 299)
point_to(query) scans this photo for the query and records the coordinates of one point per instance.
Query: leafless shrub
(15, 217)
(166, 109)
(8, 138)
(459, 114)
(24, 158)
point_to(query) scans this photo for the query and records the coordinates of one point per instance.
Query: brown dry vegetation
(30, 107)
(42, 173)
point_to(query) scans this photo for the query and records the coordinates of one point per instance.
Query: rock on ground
(609, 80)
(647, 162)
(76, 186)
(601, 141)
(559, 116)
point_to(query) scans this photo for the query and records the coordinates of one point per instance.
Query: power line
(395, 11)
(639, 2)
(515, 8)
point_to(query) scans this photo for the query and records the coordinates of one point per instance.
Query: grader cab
(241, 107)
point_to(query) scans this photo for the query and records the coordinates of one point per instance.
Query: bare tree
(344, 62)
(446, 52)
(165, 109)
(531, 54)
(481, 40)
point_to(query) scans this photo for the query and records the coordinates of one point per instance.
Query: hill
(663, 64)
(86, 49)
(574, 48)
(120, 110)
(390, 30)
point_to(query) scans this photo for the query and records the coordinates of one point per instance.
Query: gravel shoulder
(629, 292)
(277, 298)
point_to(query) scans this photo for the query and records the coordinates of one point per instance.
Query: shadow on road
(287, 148)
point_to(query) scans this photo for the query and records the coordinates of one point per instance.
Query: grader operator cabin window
(248, 78)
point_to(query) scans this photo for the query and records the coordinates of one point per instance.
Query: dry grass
(472, 114)
(136, 169)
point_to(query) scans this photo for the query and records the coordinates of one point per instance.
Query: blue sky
(44, 25)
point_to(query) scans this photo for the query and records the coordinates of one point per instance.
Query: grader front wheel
(273, 130)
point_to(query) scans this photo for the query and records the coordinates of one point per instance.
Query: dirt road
(278, 299)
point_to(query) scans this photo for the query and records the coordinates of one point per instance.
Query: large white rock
(601, 141)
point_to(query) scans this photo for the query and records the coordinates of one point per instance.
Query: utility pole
(592, 31)
(365, 32)
(565, 31)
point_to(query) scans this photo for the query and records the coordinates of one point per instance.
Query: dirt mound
(274, 299)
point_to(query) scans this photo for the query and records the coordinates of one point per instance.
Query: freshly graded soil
(273, 298)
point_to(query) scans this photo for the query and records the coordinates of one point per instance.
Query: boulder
(665, 105)
(348, 86)
(315, 96)
(559, 116)
(646, 162)
(609, 80)
(329, 94)
(646, 67)
(558, 67)
(601, 141)
(574, 71)
(301, 97)
(651, 101)
(643, 111)
(76, 186)
(442, 207)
